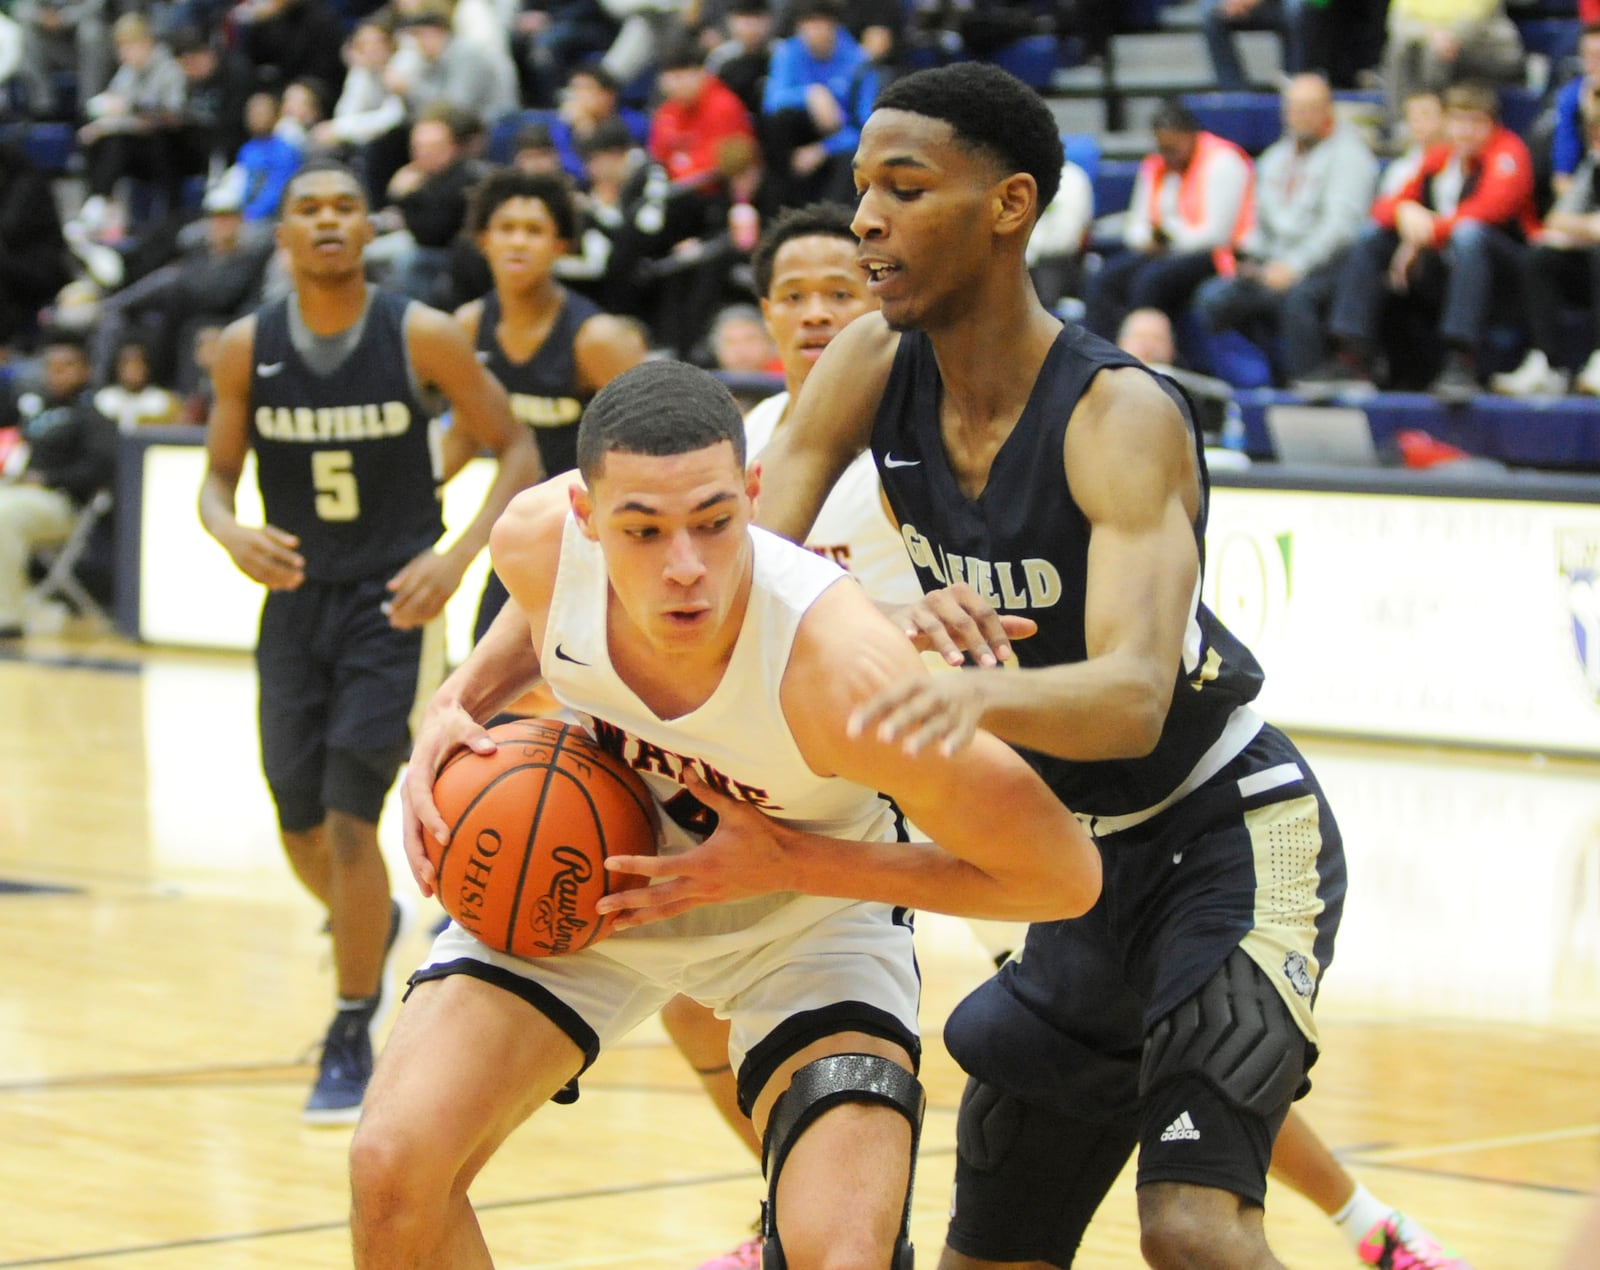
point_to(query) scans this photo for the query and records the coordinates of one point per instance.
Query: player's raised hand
(744, 856)
(444, 730)
(922, 711)
(421, 589)
(268, 555)
(956, 621)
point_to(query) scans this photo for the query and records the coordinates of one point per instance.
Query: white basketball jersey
(738, 741)
(852, 529)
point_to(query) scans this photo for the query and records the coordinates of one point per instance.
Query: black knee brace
(816, 1087)
(1236, 1033)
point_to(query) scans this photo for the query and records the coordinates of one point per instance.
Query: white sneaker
(1536, 377)
(1587, 380)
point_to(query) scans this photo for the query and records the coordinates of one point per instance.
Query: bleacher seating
(1555, 432)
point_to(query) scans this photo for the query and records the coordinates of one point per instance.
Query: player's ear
(1016, 200)
(582, 510)
(752, 482)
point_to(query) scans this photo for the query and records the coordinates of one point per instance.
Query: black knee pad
(1235, 1033)
(816, 1087)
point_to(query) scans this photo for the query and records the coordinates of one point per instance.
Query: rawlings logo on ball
(555, 913)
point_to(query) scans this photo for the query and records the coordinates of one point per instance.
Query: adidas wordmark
(1181, 1130)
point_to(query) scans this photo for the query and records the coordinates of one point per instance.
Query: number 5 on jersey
(335, 483)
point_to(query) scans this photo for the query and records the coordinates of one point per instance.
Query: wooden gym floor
(169, 982)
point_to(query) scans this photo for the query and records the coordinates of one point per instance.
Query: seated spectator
(1192, 202)
(72, 456)
(533, 150)
(132, 125)
(261, 170)
(1436, 43)
(131, 400)
(1577, 99)
(1054, 254)
(740, 61)
(1297, 22)
(1421, 128)
(437, 66)
(820, 88)
(428, 203)
(1314, 187)
(740, 342)
(700, 131)
(286, 40)
(368, 126)
(1449, 240)
(34, 264)
(621, 209)
(551, 38)
(215, 275)
(217, 82)
(57, 36)
(1562, 268)
(589, 100)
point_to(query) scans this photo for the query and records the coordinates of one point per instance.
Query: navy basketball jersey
(1023, 545)
(345, 456)
(544, 390)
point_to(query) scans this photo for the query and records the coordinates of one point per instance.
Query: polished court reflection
(169, 981)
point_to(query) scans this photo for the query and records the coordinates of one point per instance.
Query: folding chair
(61, 563)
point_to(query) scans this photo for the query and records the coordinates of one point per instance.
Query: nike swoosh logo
(889, 460)
(566, 656)
(268, 369)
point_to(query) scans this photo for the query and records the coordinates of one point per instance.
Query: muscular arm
(1004, 846)
(829, 424)
(1129, 459)
(1131, 466)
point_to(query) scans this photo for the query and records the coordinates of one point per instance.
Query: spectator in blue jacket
(1567, 146)
(820, 88)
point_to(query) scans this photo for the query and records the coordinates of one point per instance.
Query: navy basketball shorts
(1175, 1015)
(338, 685)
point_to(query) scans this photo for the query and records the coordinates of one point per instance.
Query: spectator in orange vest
(1193, 202)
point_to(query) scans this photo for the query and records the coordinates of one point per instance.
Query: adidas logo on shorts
(1181, 1130)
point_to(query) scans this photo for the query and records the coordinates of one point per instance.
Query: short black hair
(990, 110)
(1173, 116)
(660, 408)
(680, 54)
(65, 337)
(610, 133)
(814, 220)
(599, 74)
(832, 10)
(504, 184)
(322, 163)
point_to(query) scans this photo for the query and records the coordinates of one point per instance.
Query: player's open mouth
(877, 270)
(328, 242)
(812, 348)
(687, 616)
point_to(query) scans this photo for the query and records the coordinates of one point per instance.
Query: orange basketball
(530, 828)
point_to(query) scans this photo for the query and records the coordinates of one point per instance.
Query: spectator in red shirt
(1452, 234)
(701, 132)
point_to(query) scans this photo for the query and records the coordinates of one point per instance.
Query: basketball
(530, 829)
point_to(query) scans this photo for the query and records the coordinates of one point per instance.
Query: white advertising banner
(1461, 620)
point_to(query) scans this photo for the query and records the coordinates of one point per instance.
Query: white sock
(1360, 1214)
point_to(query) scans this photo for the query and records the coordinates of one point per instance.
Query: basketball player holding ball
(329, 387)
(711, 655)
